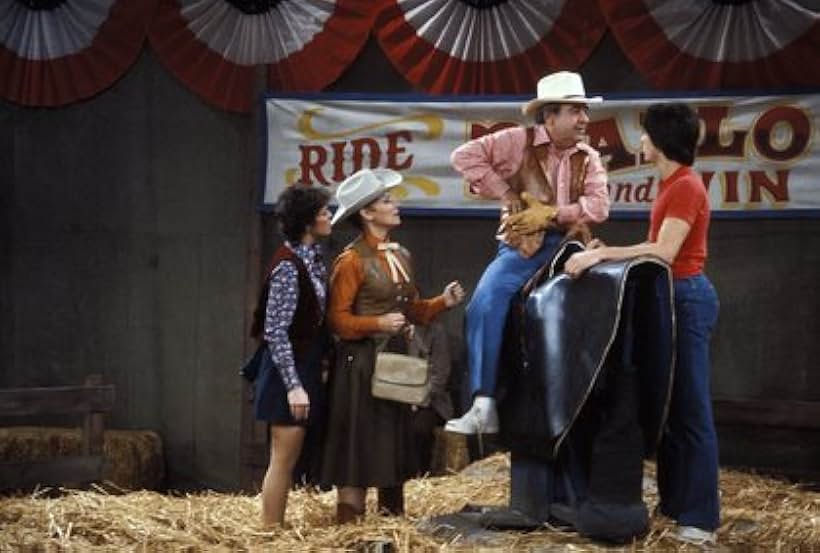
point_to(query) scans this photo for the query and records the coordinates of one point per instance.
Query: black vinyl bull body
(584, 391)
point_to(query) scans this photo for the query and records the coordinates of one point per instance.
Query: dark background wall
(129, 246)
(125, 233)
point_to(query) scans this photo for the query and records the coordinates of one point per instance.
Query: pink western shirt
(487, 161)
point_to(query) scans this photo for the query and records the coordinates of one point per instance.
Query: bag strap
(423, 348)
(380, 343)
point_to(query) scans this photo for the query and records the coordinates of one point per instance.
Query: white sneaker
(694, 535)
(482, 418)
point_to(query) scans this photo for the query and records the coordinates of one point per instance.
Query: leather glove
(535, 216)
(513, 202)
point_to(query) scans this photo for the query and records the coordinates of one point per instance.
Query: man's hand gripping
(534, 217)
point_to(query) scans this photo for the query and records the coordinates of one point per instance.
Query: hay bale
(450, 452)
(134, 459)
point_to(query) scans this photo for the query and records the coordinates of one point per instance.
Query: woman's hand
(299, 403)
(392, 323)
(581, 261)
(453, 294)
(595, 243)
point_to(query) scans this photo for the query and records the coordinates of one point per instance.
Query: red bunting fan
(487, 46)
(703, 44)
(213, 46)
(54, 52)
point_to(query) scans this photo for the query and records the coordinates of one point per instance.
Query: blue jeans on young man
(486, 313)
(688, 452)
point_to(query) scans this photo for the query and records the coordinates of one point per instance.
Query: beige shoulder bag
(402, 378)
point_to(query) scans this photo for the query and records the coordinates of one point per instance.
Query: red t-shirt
(683, 196)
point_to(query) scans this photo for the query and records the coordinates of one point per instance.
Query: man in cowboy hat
(548, 180)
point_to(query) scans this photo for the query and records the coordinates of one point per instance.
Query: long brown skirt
(369, 440)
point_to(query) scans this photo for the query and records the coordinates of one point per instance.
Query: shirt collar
(304, 251)
(676, 174)
(541, 136)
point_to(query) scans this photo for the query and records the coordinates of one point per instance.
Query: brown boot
(345, 512)
(391, 501)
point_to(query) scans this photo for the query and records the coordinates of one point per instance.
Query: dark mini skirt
(271, 397)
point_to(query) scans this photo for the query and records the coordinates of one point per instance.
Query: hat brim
(530, 107)
(342, 212)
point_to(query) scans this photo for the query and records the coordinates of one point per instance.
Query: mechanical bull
(583, 395)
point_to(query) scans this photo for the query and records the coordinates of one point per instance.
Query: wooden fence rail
(91, 401)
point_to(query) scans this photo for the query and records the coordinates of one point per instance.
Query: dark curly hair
(297, 208)
(673, 128)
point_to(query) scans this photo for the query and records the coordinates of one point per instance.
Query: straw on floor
(757, 511)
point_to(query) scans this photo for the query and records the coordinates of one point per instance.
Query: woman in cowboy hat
(373, 295)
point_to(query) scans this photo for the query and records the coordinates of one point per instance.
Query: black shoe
(563, 516)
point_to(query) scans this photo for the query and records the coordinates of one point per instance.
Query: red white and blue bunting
(487, 46)
(214, 46)
(714, 44)
(54, 52)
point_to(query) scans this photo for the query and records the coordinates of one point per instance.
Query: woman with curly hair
(290, 320)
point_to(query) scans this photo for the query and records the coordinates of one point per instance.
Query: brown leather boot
(345, 512)
(391, 500)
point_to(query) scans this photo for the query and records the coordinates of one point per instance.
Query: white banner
(758, 154)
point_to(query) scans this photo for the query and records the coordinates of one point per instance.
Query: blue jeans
(688, 452)
(486, 313)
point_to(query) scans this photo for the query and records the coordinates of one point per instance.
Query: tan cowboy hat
(564, 87)
(361, 188)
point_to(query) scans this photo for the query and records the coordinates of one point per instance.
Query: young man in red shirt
(679, 224)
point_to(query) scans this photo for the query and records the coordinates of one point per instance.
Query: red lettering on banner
(712, 117)
(393, 150)
(623, 192)
(728, 182)
(730, 194)
(628, 192)
(374, 153)
(759, 180)
(308, 165)
(760, 183)
(706, 177)
(338, 160)
(605, 136)
(643, 192)
(800, 127)
(364, 152)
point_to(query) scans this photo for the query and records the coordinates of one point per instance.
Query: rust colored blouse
(346, 279)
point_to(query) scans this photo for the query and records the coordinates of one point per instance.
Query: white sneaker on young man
(482, 418)
(694, 535)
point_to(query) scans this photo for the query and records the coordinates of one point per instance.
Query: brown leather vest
(532, 176)
(378, 294)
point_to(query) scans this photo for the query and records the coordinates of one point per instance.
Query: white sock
(484, 403)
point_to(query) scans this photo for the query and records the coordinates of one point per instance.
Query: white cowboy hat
(361, 188)
(563, 87)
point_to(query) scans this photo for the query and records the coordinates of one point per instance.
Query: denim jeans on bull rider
(486, 313)
(688, 453)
